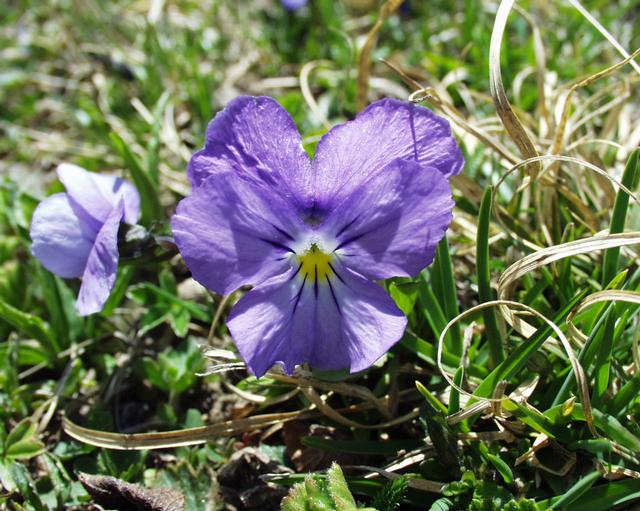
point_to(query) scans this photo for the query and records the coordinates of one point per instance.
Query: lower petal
(62, 238)
(345, 322)
(358, 323)
(102, 266)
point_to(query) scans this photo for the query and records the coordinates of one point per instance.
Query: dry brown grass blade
(203, 434)
(509, 279)
(346, 389)
(510, 120)
(258, 398)
(305, 88)
(321, 403)
(175, 438)
(430, 94)
(364, 58)
(544, 180)
(559, 137)
(609, 295)
(607, 35)
(581, 379)
(541, 65)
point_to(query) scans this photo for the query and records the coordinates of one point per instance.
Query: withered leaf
(114, 493)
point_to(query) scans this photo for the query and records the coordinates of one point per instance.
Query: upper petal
(390, 226)
(259, 139)
(346, 322)
(99, 194)
(102, 266)
(230, 232)
(62, 237)
(388, 129)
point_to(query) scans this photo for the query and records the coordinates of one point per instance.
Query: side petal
(387, 130)
(61, 237)
(102, 266)
(231, 233)
(99, 194)
(347, 322)
(391, 225)
(259, 140)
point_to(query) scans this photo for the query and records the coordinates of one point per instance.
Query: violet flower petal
(293, 5)
(99, 194)
(386, 130)
(231, 233)
(61, 238)
(347, 323)
(259, 139)
(100, 273)
(391, 225)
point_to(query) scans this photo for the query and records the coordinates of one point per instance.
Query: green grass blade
(496, 351)
(454, 396)
(519, 357)
(153, 148)
(449, 293)
(577, 490)
(149, 201)
(619, 215)
(625, 396)
(608, 496)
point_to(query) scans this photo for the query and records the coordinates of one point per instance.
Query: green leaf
(443, 504)
(25, 486)
(55, 305)
(22, 442)
(31, 326)
(405, 295)
(338, 488)
(503, 469)
(316, 494)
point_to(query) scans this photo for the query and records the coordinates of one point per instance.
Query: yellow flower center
(315, 264)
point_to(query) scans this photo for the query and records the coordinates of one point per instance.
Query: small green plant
(322, 494)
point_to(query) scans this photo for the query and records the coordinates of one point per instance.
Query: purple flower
(312, 236)
(293, 5)
(75, 234)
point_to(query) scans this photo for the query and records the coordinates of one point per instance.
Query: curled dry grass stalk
(548, 183)
(556, 167)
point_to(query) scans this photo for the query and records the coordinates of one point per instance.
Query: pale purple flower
(75, 234)
(312, 236)
(293, 5)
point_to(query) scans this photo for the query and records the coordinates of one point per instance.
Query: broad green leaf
(405, 295)
(31, 326)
